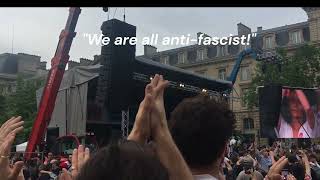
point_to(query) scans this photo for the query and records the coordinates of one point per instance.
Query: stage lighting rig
(123, 76)
(178, 85)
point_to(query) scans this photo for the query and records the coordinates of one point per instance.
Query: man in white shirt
(201, 127)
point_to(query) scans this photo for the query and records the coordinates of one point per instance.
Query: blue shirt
(265, 162)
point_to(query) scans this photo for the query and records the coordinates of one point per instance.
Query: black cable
(124, 14)
(304, 128)
(108, 14)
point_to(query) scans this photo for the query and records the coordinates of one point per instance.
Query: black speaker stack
(116, 70)
(269, 106)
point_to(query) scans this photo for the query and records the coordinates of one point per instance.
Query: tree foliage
(300, 69)
(21, 102)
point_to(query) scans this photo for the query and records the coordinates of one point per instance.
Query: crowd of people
(39, 168)
(246, 161)
(192, 144)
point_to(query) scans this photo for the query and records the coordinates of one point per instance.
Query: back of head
(297, 170)
(247, 162)
(201, 127)
(234, 158)
(123, 162)
(292, 158)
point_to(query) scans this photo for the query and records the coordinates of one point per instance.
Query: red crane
(58, 64)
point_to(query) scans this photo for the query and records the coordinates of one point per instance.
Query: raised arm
(306, 163)
(307, 108)
(151, 123)
(276, 168)
(8, 133)
(165, 147)
(141, 130)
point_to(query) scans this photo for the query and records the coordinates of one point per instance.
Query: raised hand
(141, 128)
(276, 168)
(303, 99)
(306, 162)
(79, 157)
(306, 106)
(151, 114)
(13, 126)
(7, 135)
(158, 113)
(165, 148)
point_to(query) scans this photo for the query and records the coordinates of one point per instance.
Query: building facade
(13, 65)
(84, 62)
(28, 66)
(218, 61)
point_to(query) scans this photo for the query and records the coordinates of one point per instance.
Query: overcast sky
(36, 30)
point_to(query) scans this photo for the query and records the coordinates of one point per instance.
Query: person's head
(313, 158)
(297, 170)
(282, 153)
(64, 163)
(70, 158)
(16, 159)
(234, 158)
(252, 153)
(262, 147)
(201, 127)
(55, 164)
(247, 164)
(56, 167)
(50, 155)
(294, 147)
(265, 152)
(45, 167)
(243, 153)
(292, 109)
(246, 153)
(31, 163)
(125, 161)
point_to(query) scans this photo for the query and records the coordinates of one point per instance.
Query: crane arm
(241, 56)
(58, 64)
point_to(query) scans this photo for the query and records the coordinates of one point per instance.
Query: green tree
(21, 102)
(301, 69)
